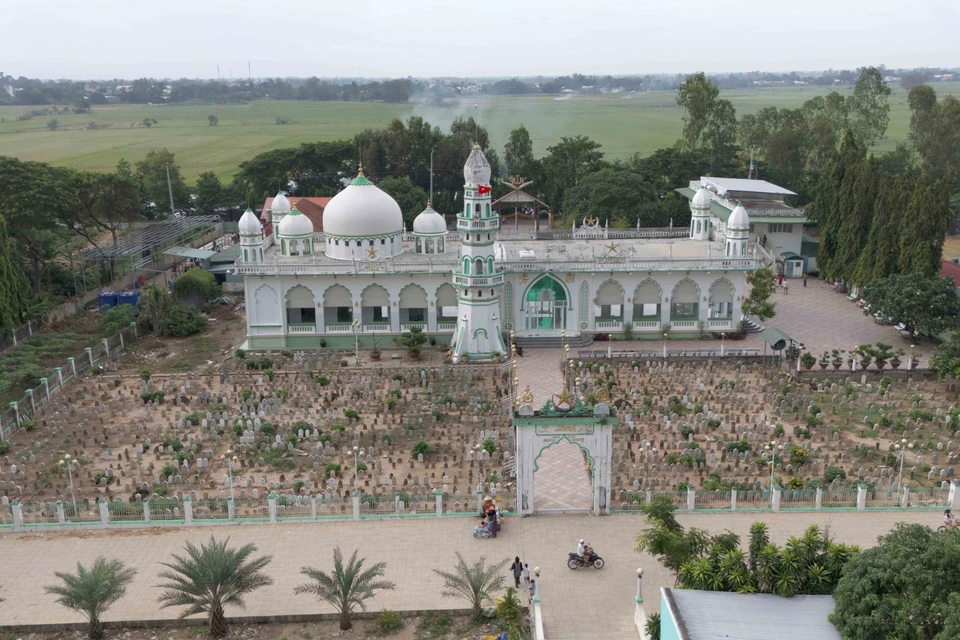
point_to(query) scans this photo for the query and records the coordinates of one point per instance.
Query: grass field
(623, 125)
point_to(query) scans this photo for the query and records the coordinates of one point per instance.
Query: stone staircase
(752, 325)
(554, 342)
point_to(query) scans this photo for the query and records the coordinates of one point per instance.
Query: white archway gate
(537, 431)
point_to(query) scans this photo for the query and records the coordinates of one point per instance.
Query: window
(359, 243)
(345, 314)
(781, 228)
(381, 314)
(646, 310)
(415, 315)
(723, 310)
(448, 313)
(303, 315)
(609, 312)
(684, 310)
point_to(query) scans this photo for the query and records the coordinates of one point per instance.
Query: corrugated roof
(310, 207)
(712, 615)
(749, 186)
(763, 212)
(190, 252)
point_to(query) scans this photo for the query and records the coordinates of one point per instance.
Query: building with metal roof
(775, 225)
(687, 614)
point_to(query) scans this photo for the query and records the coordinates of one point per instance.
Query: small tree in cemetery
(92, 591)
(347, 587)
(209, 578)
(413, 340)
(474, 583)
(758, 303)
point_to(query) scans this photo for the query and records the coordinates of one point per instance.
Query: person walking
(517, 567)
(526, 573)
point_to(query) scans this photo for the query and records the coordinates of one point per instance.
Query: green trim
(361, 181)
(265, 326)
(554, 421)
(474, 303)
(377, 236)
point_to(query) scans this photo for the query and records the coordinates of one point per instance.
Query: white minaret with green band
(477, 278)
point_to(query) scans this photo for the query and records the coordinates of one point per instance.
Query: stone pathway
(412, 549)
(561, 481)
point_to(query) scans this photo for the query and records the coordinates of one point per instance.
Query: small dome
(362, 210)
(429, 222)
(280, 204)
(739, 219)
(701, 200)
(476, 170)
(295, 224)
(249, 225)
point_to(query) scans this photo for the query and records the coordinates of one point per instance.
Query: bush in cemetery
(210, 578)
(740, 446)
(167, 471)
(145, 375)
(268, 430)
(798, 455)
(489, 445)
(713, 423)
(339, 427)
(270, 374)
(420, 447)
(347, 587)
(831, 473)
(116, 318)
(322, 380)
(151, 396)
(238, 429)
(182, 321)
(361, 466)
(332, 467)
(686, 431)
(4, 447)
(389, 622)
(245, 394)
(239, 354)
(194, 418)
(351, 413)
(92, 591)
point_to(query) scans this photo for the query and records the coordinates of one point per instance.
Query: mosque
(364, 279)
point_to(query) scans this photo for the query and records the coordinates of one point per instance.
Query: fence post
(17, 514)
(106, 347)
(861, 498)
(33, 403)
(819, 502)
(905, 501)
(146, 512)
(479, 501)
(16, 413)
(59, 371)
(953, 494)
(733, 500)
(187, 510)
(355, 498)
(776, 500)
(272, 505)
(649, 497)
(691, 499)
(134, 325)
(61, 517)
(313, 507)
(89, 355)
(438, 495)
(231, 509)
(120, 333)
(73, 367)
(396, 503)
(46, 388)
(104, 512)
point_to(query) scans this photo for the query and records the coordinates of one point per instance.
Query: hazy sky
(174, 38)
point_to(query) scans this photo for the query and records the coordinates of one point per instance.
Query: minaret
(279, 208)
(700, 215)
(738, 232)
(251, 237)
(477, 278)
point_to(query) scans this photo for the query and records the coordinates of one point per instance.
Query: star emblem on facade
(371, 253)
(612, 248)
(563, 398)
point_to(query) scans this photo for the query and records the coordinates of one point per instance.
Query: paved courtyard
(412, 549)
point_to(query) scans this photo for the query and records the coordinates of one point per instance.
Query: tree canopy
(926, 304)
(615, 195)
(152, 171)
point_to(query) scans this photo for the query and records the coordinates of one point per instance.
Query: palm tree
(347, 587)
(652, 626)
(209, 578)
(759, 538)
(473, 583)
(91, 592)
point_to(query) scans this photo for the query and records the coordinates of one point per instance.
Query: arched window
(476, 210)
(244, 255)
(479, 266)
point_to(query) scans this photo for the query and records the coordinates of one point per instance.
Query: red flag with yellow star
(483, 190)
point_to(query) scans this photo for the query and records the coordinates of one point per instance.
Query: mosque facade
(364, 279)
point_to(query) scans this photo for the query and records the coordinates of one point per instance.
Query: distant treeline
(30, 91)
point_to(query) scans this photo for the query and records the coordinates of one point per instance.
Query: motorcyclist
(584, 552)
(949, 520)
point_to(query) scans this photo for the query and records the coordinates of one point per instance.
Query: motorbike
(575, 562)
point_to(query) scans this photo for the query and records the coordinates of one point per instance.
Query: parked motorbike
(575, 561)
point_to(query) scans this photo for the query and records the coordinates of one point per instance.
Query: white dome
(295, 224)
(429, 221)
(249, 225)
(701, 200)
(738, 219)
(476, 170)
(280, 204)
(362, 210)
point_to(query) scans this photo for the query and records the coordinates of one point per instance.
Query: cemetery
(306, 435)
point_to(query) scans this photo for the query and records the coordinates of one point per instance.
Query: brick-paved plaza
(412, 548)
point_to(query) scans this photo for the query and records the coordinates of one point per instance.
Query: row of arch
(612, 292)
(477, 266)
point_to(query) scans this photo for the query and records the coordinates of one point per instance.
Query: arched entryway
(545, 305)
(563, 476)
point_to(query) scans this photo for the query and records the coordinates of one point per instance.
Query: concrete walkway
(411, 548)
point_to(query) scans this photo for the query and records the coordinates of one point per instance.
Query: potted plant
(837, 359)
(824, 360)
(808, 360)
(882, 354)
(413, 340)
(375, 351)
(916, 360)
(895, 360)
(865, 351)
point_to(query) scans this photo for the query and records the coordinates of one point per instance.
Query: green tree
(869, 107)
(567, 163)
(152, 171)
(14, 286)
(210, 578)
(153, 308)
(652, 627)
(518, 154)
(413, 340)
(92, 591)
(105, 202)
(758, 303)
(209, 193)
(665, 539)
(475, 583)
(926, 304)
(906, 588)
(698, 95)
(53, 124)
(213, 120)
(196, 283)
(720, 134)
(411, 198)
(935, 132)
(912, 79)
(923, 227)
(348, 587)
(615, 195)
(946, 359)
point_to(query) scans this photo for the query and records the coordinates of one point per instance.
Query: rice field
(622, 124)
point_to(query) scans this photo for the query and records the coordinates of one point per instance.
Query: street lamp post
(67, 462)
(356, 472)
(356, 340)
(910, 362)
(230, 460)
(664, 345)
(903, 454)
(723, 336)
(773, 447)
(639, 585)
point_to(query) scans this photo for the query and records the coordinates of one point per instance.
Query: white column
(61, 517)
(356, 505)
(733, 500)
(905, 502)
(439, 498)
(861, 498)
(432, 316)
(313, 507)
(272, 506)
(819, 502)
(104, 512)
(953, 495)
(146, 511)
(776, 500)
(691, 499)
(231, 509)
(17, 514)
(187, 511)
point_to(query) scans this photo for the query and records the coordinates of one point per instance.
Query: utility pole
(173, 211)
